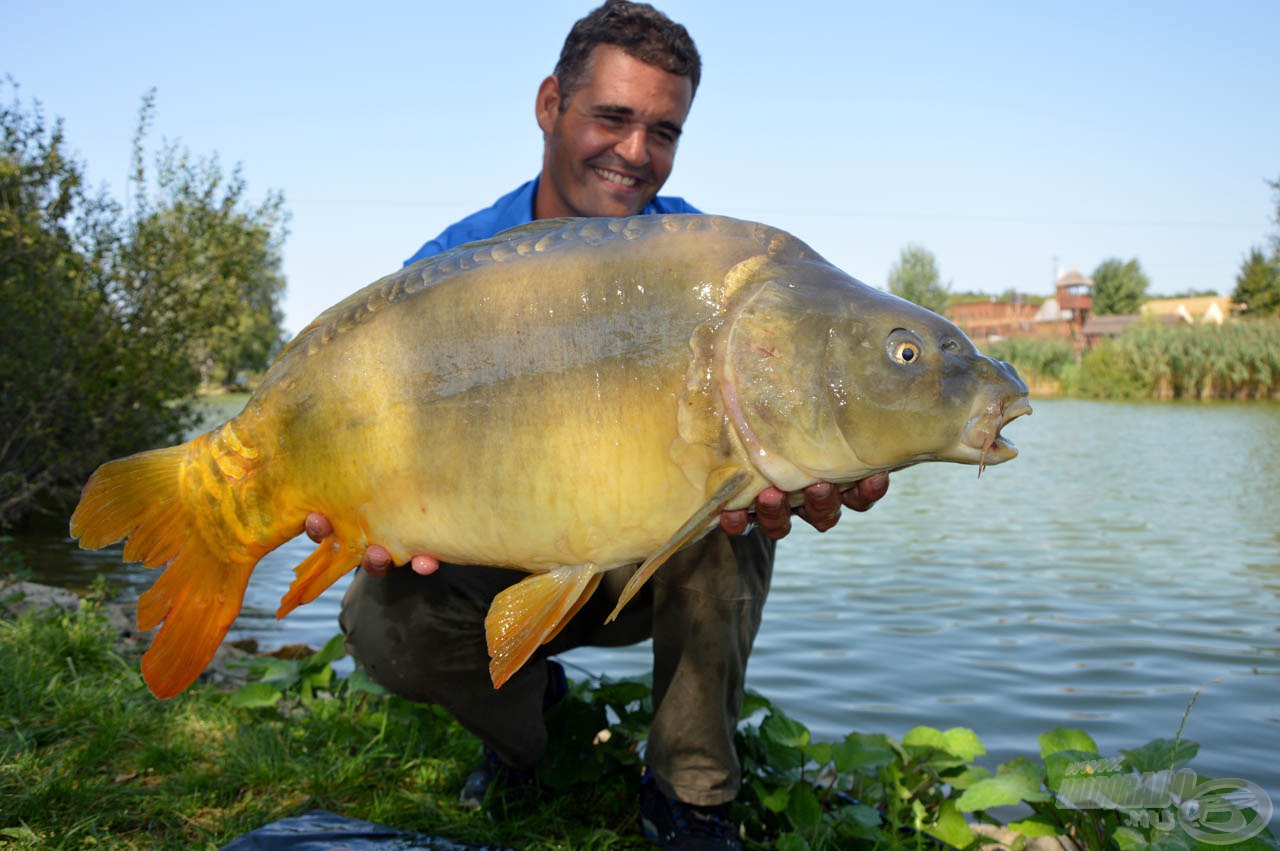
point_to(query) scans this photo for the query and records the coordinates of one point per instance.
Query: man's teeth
(614, 177)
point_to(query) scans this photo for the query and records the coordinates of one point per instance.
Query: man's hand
(821, 507)
(376, 560)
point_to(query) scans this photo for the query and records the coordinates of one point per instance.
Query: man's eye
(610, 120)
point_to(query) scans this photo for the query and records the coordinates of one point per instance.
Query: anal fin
(702, 521)
(325, 566)
(528, 614)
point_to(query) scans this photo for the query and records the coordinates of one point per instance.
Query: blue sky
(1010, 139)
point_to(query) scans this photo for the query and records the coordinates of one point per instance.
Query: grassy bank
(1236, 360)
(89, 758)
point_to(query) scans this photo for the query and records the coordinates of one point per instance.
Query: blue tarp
(319, 830)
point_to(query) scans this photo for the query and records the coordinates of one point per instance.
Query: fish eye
(903, 347)
(906, 352)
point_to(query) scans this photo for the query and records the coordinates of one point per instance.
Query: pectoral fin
(702, 521)
(530, 613)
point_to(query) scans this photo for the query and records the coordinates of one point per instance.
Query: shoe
(676, 825)
(495, 777)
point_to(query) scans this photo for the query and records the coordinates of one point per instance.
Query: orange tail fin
(196, 509)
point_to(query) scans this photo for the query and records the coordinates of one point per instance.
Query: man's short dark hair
(640, 30)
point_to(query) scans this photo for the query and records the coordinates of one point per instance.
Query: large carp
(566, 398)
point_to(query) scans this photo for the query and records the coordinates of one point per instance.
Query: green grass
(88, 758)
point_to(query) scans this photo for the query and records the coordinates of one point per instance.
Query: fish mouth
(981, 440)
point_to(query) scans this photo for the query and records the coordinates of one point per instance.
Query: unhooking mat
(320, 830)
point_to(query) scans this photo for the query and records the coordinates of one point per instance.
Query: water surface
(1129, 557)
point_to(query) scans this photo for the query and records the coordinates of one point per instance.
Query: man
(611, 116)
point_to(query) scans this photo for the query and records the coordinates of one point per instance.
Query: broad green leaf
(255, 696)
(774, 800)
(950, 826)
(359, 682)
(791, 842)
(318, 678)
(862, 751)
(1066, 739)
(333, 650)
(1065, 764)
(803, 808)
(753, 702)
(1015, 781)
(963, 743)
(1034, 827)
(925, 737)
(280, 672)
(861, 814)
(819, 752)
(968, 777)
(781, 730)
(1158, 755)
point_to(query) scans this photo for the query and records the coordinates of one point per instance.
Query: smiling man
(611, 116)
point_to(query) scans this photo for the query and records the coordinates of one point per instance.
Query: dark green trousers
(422, 637)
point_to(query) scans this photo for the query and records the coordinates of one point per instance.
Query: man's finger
(376, 560)
(424, 565)
(735, 522)
(821, 508)
(773, 513)
(318, 527)
(866, 492)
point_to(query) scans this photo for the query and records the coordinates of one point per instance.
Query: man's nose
(633, 147)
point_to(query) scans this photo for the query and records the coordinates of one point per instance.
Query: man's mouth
(615, 177)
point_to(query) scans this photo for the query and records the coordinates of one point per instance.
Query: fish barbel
(625, 379)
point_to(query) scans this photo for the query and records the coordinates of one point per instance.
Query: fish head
(831, 380)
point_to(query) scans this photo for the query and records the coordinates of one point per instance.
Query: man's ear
(547, 105)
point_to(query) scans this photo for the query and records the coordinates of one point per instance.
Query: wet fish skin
(566, 398)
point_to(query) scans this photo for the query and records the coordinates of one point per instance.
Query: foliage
(1119, 287)
(1107, 371)
(85, 373)
(210, 263)
(915, 277)
(1258, 284)
(91, 758)
(109, 320)
(1235, 360)
(1045, 357)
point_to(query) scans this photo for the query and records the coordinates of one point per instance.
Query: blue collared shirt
(516, 208)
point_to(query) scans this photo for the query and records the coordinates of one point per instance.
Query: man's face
(611, 150)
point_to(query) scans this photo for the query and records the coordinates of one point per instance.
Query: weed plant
(89, 758)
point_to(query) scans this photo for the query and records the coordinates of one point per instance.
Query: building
(990, 320)
(1212, 309)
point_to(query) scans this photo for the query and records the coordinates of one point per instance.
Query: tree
(212, 260)
(915, 277)
(96, 330)
(1258, 284)
(80, 378)
(1119, 287)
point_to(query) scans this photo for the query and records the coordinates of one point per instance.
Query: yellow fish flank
(569, 397)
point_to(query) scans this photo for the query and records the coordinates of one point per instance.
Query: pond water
(1128, 558)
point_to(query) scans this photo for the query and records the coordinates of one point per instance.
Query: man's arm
(772, 512)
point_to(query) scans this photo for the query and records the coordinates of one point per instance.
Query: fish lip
(982, 437)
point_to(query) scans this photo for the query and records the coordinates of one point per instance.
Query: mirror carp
(569, 397)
